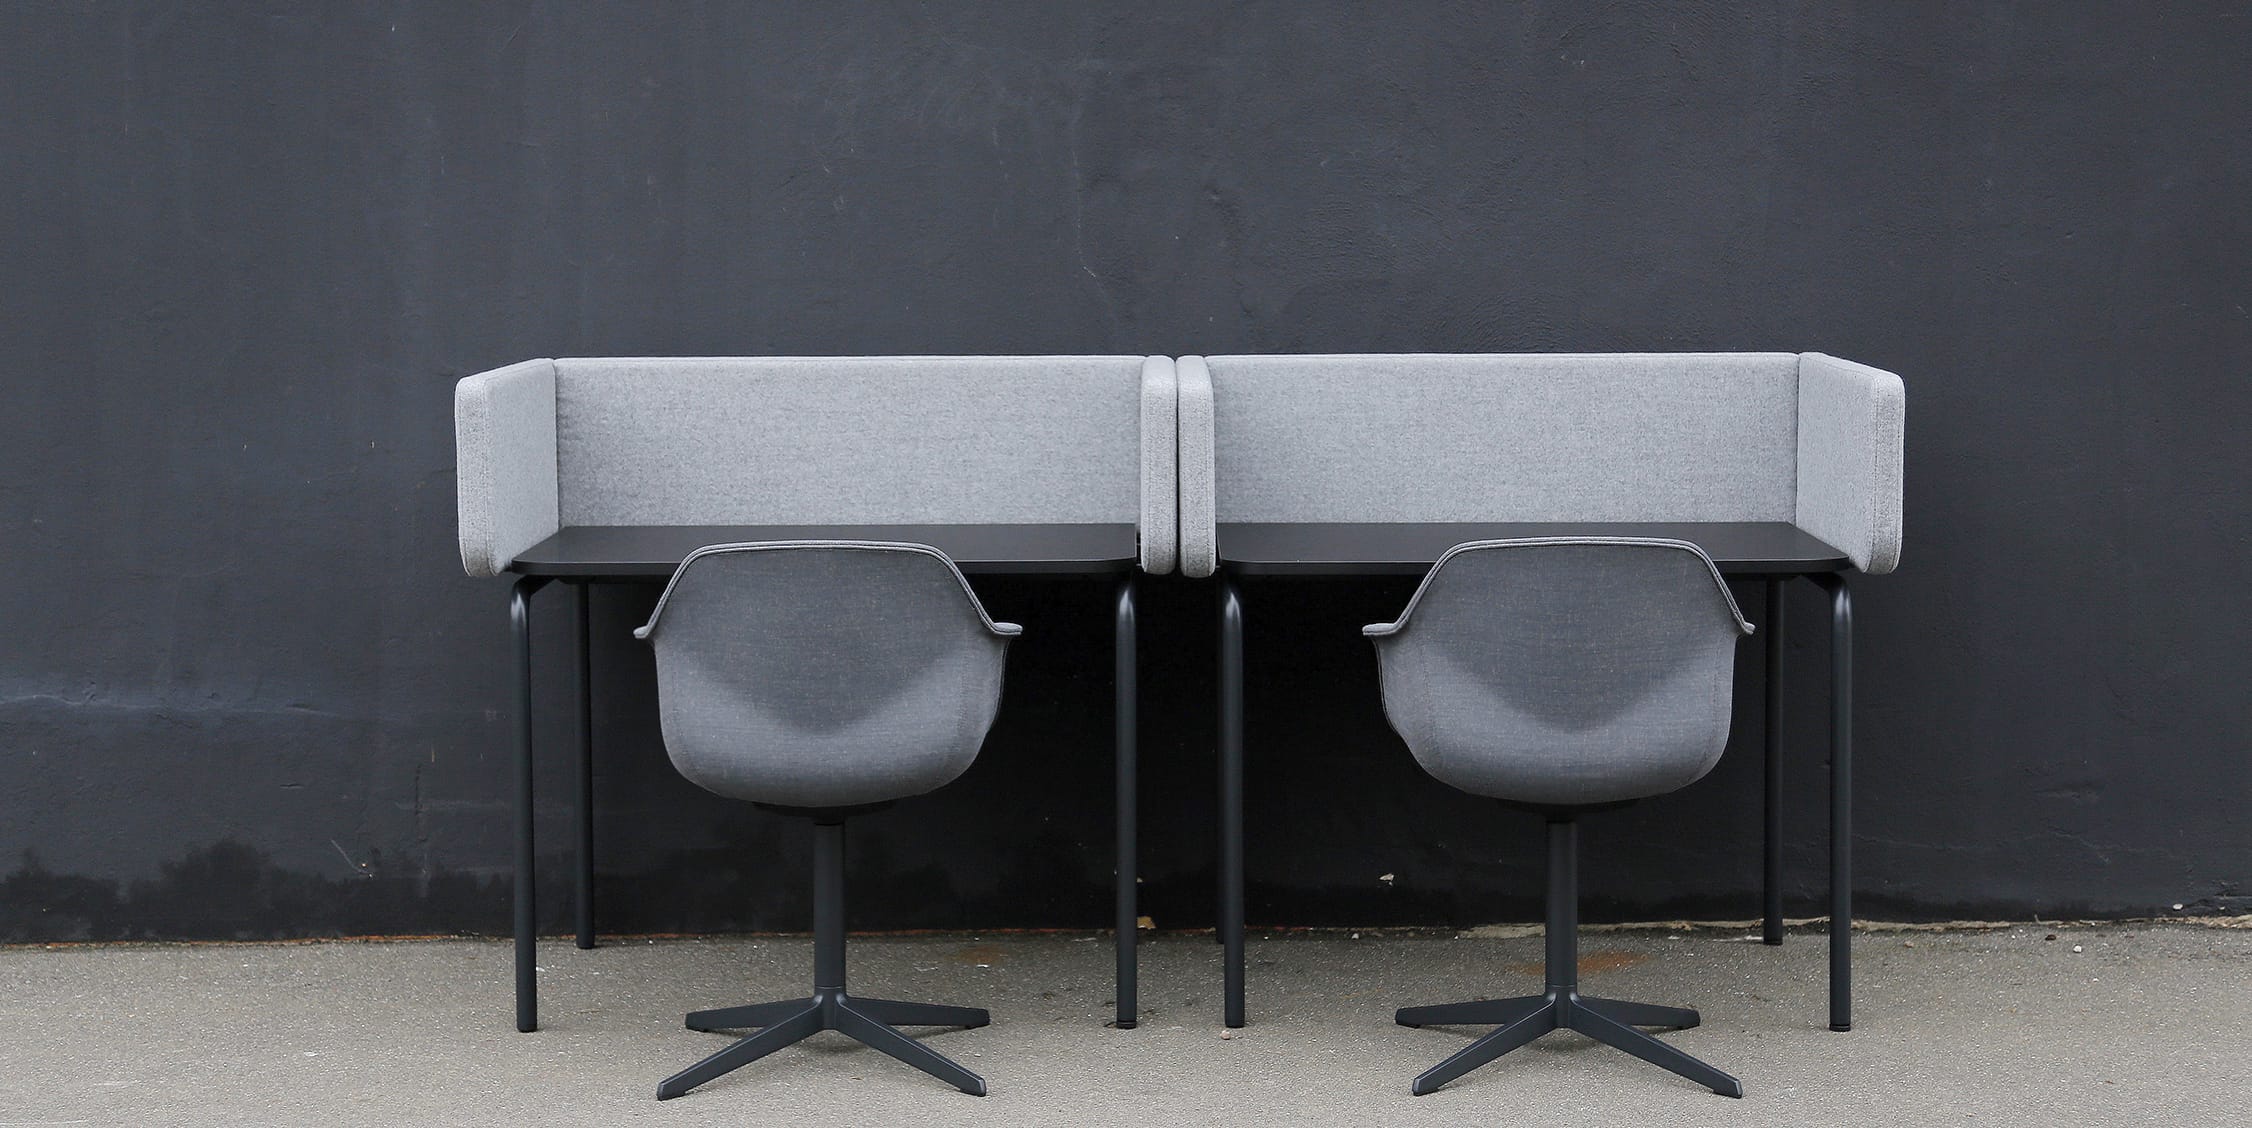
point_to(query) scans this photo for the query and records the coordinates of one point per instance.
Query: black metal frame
(526, 907)
(582, 812)
(527, 900)
(1771, 869)
(1231, 800)
(1560, 1006)
(526, 876)
(1839, 587)
(871, 1022)
(1841, 798)
(1127, 744)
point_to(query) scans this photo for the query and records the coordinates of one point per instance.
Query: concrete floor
(2126, 1025)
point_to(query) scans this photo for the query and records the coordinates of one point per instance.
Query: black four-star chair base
(1561, 1006)
(1520, 1020)
(870, 1022)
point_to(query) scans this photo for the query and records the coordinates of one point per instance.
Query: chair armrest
(1161, 486)
(504, 453)
(1850, 457)
(1199, 484)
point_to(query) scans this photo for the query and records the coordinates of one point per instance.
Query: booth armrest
(504, 450)
(1850, 457)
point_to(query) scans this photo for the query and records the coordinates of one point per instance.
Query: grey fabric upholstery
(853, 440)
(817, 440)
(1199, 532)
(1541, 437)
(1504, 438)
(1161, 487)
(1851, 451)
(504, 440)
(1564, 672)
(824, 673)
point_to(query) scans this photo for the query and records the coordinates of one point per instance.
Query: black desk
(1775, 551)
(642, 551)
(1747, 548)
(586, 555)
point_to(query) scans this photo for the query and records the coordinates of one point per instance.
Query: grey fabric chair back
(1564, 672)
(824, 674)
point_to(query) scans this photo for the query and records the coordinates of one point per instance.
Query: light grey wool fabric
(815, 441)
(1161, 488)
(1411, 437)
(1487, 437)
(1851, 451)
(1199, 539)
(824, 673)
(854, 440)
(504, 443)
(1566, 671)
(1179, 447)
(1540, 437)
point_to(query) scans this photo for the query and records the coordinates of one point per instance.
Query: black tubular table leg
(1771, 926)
(1231, 800)
(1127, 753)
(1841, 802)
(583, 814)
(527, 908)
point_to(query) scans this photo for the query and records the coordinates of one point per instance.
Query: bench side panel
(1851, 458)
(1161, 487)
(1199, 531)
(504, 453)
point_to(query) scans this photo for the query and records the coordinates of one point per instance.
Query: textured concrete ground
(2126, 1025)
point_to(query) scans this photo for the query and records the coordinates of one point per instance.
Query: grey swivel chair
(825, 679)
(1561, 676)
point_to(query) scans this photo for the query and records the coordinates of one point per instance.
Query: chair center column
(828, 906)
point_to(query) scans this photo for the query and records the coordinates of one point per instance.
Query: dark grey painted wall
(246, 249)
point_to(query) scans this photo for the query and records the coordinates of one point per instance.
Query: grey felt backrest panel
(1506, 437)
(1567, 671)
(868, 440)
(1852, 451)
(504, 477)
(824, 673)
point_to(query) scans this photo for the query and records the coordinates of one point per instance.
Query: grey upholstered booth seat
(827, 679)
(824, 674)
(1564, 674)
(1676, 437)
(815, 441)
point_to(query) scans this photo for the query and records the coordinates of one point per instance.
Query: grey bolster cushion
(1199, 488)
(504, 443)
(1851, 420)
